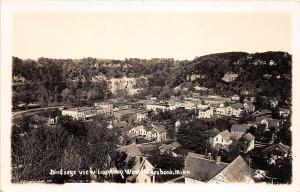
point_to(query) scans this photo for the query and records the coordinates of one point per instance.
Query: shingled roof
(202, 169)
(205, 170)
(279, 147)
(238, 171)
(239, 127)
(248, 137)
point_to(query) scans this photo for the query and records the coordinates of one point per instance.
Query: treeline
(69, 145)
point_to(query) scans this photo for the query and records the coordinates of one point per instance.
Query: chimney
(218, 159)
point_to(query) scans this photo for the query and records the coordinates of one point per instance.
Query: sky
(119, 35)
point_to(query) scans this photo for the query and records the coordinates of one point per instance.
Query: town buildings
(80, 113)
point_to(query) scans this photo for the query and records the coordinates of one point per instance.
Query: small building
(143, 171)
(218, 139)
(248, 142)
(159, 133)
(283, 112)
(202, 170)
(249, 107)
(235, 98)
(276, 151)
(268, 122)
(206, 113)
(235, 109)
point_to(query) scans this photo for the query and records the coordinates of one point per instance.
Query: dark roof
(238, 171)
(202, 169)
(279, 147)
(239, 127)
(248, 137)
(212, 133)
(237, 105)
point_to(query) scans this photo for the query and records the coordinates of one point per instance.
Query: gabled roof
(212, 133)
(279, 147)
(131, 150)
(239, 127)
(202, 169)
(145, 127)
(160, 130)
(226, 135)
(238, 171)
(248, 137)
(237, 106)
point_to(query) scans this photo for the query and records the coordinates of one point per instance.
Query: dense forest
(74, 81)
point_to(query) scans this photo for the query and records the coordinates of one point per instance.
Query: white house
(219, 139)
(235, 110)
(143, 171)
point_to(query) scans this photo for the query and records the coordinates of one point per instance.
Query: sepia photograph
(147, 95)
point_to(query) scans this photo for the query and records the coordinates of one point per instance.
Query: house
(235, 109)
(218, 139)
(275, 152)
(131, 115)
(238, 130)
(235, 98)
(283, 112)
(274, 102)
(143, 131)
(143, 171)
(104, 108)
(79, 113)
(150, 132)
(159, 133)
(268, 122)
(206, 113)
(202, 170)
(249, 107)
(247, 142)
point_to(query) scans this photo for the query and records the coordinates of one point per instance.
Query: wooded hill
(47, 80)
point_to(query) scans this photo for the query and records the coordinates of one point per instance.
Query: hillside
(64, 80)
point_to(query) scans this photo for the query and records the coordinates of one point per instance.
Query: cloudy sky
(180, 35)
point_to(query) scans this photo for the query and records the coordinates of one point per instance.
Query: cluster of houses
(140, 136)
